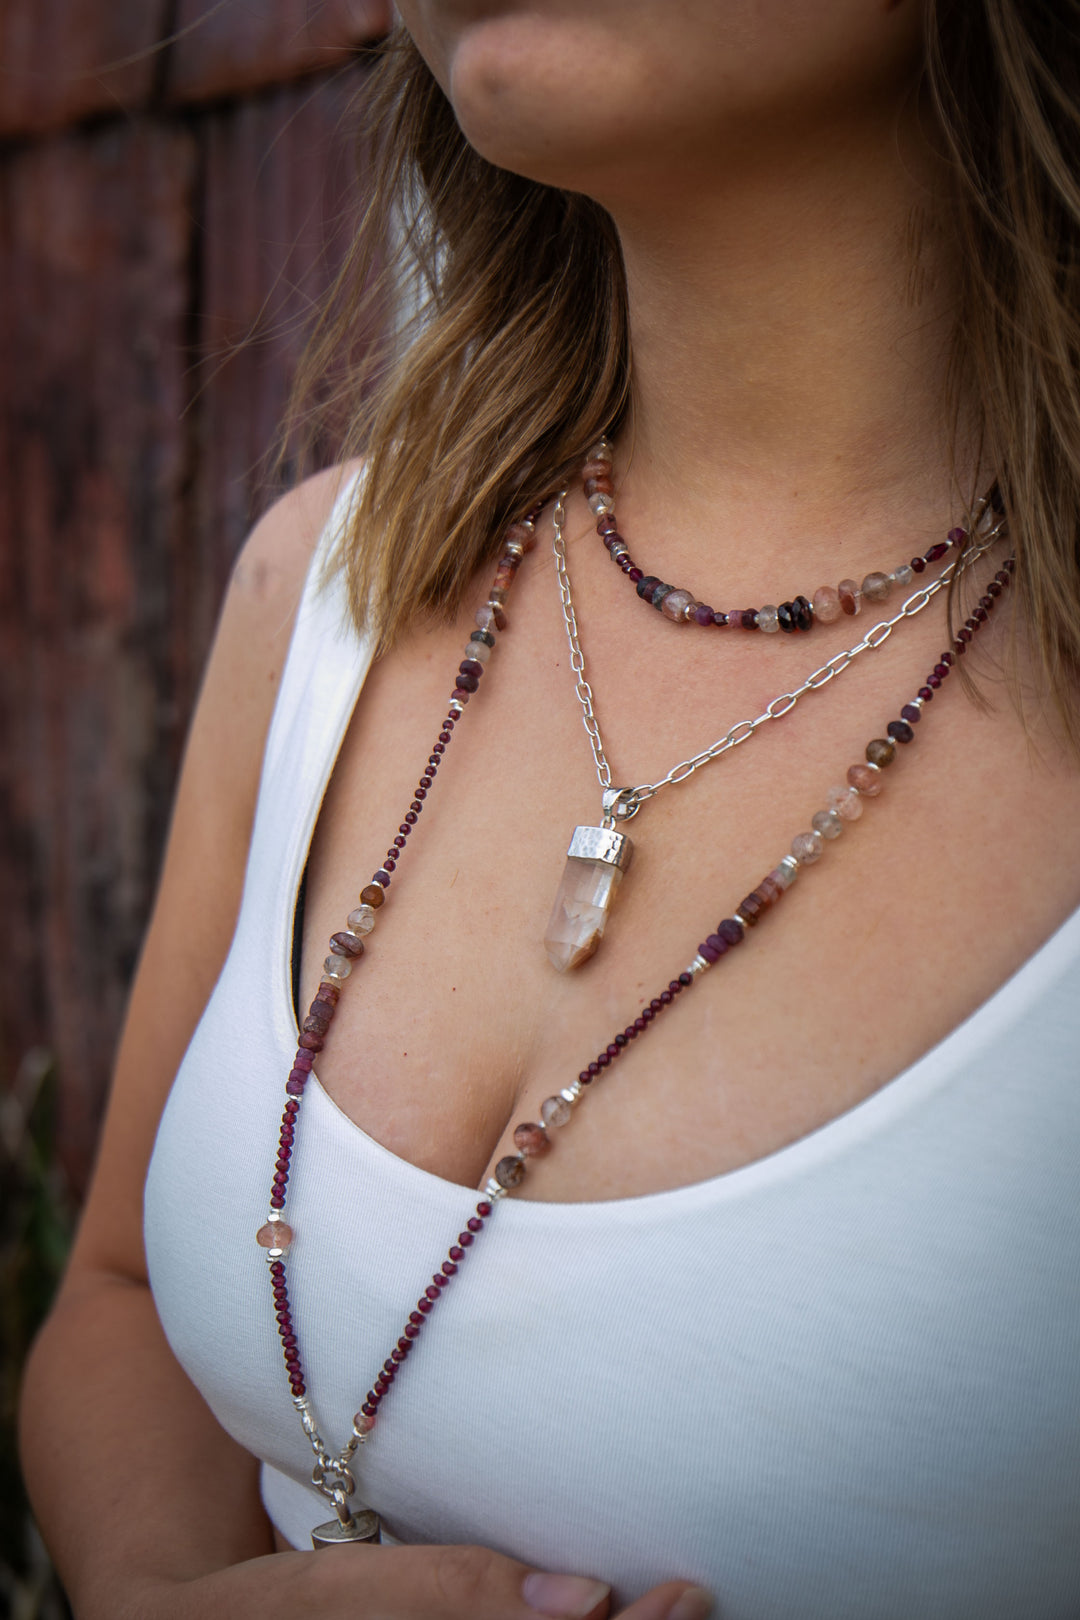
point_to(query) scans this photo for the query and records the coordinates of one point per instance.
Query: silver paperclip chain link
(633, 798)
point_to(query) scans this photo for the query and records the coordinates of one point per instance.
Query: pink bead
(846, 802)
(850, 597)
(531, 1140)
(826, 604)
(866, 778)
(274, 1235)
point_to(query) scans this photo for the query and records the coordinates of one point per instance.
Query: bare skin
(786, 433)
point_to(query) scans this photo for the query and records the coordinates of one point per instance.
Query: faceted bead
(911, 713)
(485, 618)
(510, 1172)
(337, 967)
(881, 751)
(659, 591)
(579, 915)
(787, 615)
(472, 666)
(346, 944)
(900, 731)
(867, 778)
(600, 451)
(467, 683)
(362, 920)
(768, 619)
(904, 574)
(751, 909)
(783, 876)
(646, 585)
(803, 613)
(850, 600)
(372, 895)
(595, 468)
(730, 931)
(936, 553)
(675, 604)
(826, 604)
(807, 847)
(876, 587)
(846, 803)
(274, 1235)
(599, 503)
(555, 1111)
(827, 823)
(487, 640)
(531, 1141)
(748, 618)
(702, 614)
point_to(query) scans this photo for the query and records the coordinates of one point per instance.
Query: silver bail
(620, 804)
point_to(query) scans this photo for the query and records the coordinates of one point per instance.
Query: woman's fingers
(675, 1600)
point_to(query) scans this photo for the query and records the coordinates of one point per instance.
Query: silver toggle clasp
(620, 804)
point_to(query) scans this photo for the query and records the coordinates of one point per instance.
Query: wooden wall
(176, 179)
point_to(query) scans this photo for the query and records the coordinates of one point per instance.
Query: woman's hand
(399, 1583)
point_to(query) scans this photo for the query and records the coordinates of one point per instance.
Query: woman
(789, 1315)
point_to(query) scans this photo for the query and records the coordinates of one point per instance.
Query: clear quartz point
(580, 912)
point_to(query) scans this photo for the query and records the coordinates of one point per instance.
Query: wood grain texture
(240, 46)
(157, 271)
(65, 60)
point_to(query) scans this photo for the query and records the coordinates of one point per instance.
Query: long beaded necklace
(598, 857)
(332, 1474)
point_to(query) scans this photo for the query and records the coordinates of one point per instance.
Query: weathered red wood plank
(236, 47)
(62, 60)
(97, 306)
(281, 195)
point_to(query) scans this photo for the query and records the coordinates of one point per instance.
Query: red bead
(464, 1238)
(399, 841)
(431, 1292)
(483, 1207)
(603, 1059)
(926, 692)
(369, 1409)
(389, 1368)
(449, 1268)
(457, 1252)
(396, 1355)
(474, 1224)
(918, 564)
(936, 553)
(593, 1070)
(423, 1305)
(439, 1280)
(416, 1318)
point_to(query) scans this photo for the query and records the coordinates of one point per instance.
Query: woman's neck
(791, 329)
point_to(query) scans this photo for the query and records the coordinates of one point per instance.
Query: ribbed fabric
(842, 1383)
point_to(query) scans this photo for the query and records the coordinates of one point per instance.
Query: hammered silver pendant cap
(363, 1526)
(601, 844)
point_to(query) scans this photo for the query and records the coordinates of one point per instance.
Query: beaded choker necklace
(826, 605)
(332, 1474)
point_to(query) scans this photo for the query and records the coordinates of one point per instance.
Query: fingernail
(571, 1596)
(695, 1604)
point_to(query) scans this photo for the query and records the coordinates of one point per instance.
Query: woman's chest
(454, 1027)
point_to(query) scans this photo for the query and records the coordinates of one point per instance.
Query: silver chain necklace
(598, 856)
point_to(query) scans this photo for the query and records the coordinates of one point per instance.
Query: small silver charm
(362, 1525)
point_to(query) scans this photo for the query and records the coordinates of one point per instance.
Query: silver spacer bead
(515, 549)
(739, 918)
(456, 707)
(700, 964)
(493, 1190)
(918, 702)
(572, 1092)
(790, 864)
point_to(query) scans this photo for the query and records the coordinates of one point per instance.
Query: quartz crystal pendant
(364, 1526)
(596, 861)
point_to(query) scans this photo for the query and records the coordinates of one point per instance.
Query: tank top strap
(327, 662)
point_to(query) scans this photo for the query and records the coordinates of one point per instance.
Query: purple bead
(926, 693)
(911, 713)
(295, 1088)
(718, 945)
(936, 553)
(748, 618)
(942, 669)
(731, 930)
(720, 620)
(471, 666)
(703, 615)
(933, 681)
(634, 573)
(900, 731)
(957, 536)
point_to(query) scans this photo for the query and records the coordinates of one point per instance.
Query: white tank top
(842, 1383)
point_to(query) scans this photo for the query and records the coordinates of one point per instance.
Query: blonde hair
(520, 355)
